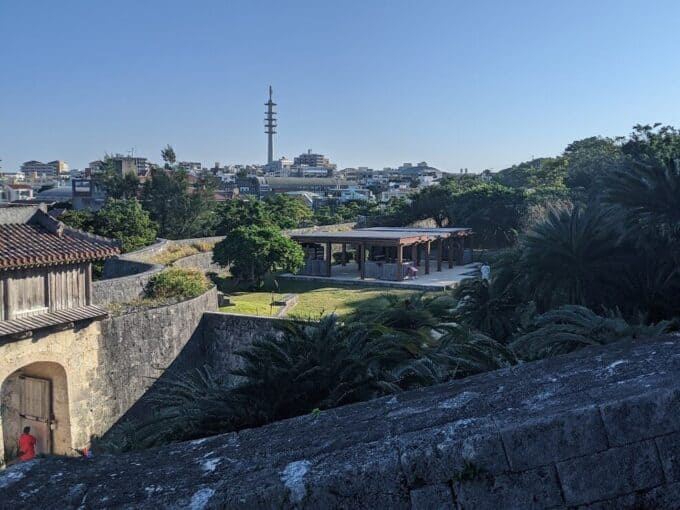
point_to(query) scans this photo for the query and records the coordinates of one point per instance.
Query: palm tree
(572, 257)
(487, 307)
(572, 327)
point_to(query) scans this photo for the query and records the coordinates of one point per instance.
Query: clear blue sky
(476, 84)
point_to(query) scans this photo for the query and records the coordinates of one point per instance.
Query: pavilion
(385, 253)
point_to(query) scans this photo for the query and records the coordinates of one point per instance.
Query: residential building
(312, 159)
(190, 166)
(38, 170)
(14, 192)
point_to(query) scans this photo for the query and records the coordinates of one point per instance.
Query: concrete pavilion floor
(436, 280)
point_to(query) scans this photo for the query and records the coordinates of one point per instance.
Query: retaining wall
(597, 429)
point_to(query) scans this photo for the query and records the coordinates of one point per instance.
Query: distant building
(314, 184)
(38, 170)
(312, 159)
(279, 168)
(123, 165)
(190, 166)
(14, 192)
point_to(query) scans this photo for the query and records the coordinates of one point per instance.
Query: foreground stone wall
(597, 429)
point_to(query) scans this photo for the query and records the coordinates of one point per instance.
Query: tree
(236, 213)
(588, 161)
(126, 221)
(117, 186)
(252, 252)
(168, 155)
(287, 212)
(179, 210)
(494, 212)
(537, 173)
(652, 144)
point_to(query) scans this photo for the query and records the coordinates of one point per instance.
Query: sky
(459, 84)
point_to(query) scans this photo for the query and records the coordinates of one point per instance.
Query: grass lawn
(314, 298)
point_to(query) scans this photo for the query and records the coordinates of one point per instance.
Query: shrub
(177, 283)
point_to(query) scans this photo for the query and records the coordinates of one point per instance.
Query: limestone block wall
(77, 351)
(594, 430)
(109, 364)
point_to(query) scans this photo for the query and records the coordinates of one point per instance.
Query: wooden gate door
(36, 410)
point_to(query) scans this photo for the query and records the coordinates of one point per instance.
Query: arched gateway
(48, 329)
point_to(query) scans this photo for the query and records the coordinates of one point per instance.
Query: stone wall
(126, 281)
(111, 363)
(597, 429)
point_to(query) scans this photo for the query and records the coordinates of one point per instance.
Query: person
(27, 443)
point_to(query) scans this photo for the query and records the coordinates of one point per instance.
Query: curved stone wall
(596, 429)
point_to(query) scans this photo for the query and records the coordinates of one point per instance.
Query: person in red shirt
(27, 445)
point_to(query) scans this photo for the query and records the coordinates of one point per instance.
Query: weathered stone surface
(404, 450)
(535, 488)
(531, 442)
(432, 497)
(611, 473)
(669, 451)
(642, 416)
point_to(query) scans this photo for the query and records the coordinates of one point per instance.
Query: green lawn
(314, 299)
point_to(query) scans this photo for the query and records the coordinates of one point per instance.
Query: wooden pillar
(449, 245)
(440, 249)
(472, 251)
(329, 257)
(400, 261)
(417, 254)
(427, 257)
(344, 254)
(88, 284)
(362, 257)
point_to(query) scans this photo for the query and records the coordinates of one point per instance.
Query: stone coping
(600, 425)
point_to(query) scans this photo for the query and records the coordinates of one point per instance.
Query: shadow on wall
(215, 342)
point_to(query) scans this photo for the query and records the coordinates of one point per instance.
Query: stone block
(538, 441)
(439, 454)
(432, 497)
(642, 417)
(535, 488)
(609, 474)
(669, 452)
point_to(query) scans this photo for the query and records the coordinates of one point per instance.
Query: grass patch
(315, 299)
(174, 252)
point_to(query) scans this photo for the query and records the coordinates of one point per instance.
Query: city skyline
(457, 85)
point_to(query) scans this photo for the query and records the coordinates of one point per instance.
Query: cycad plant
(571, 327)
(573, 257)
(648, 194)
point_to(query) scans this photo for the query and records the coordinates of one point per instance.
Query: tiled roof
(30, 245)
(46, 320)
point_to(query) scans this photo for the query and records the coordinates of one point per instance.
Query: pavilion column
(449, 244)
(472, 251)
(329, 257)
(362, 258)
(400, 261)
(417, 258)
(344, 254)
(427, 257)
(440, 249)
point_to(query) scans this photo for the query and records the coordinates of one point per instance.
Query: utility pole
(270, 126)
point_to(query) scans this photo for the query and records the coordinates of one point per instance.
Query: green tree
(494, 212)
(168, 155)
(588, 161)
(117, 186)
(236, 213)
(126, 221)
(252, 252)
(181, 211)
(81, 219)
(287, 212)
(534, 174)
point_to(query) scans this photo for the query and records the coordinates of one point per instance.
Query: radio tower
(270, 126)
